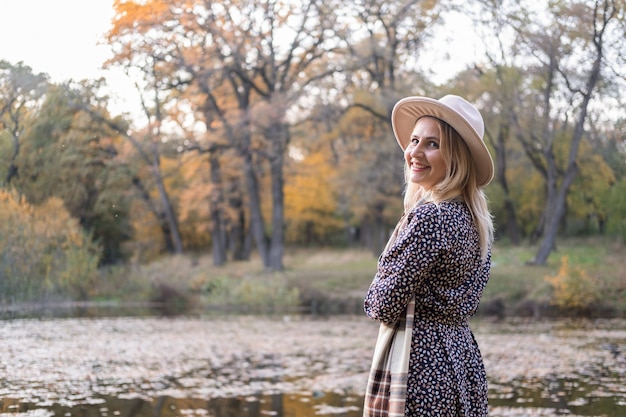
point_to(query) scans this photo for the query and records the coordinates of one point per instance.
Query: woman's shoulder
(429, 209)
(443, 212)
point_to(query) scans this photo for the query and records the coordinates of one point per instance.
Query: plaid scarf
(385, 395)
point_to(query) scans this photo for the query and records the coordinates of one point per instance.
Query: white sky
(62, 38)
(58, 37)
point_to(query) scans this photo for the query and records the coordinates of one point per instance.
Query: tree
(20, 94)
(69, 155)
(575, 52)
(261, 58)
(153, 75)
(382, 53)
(379, 68)
(562, 53)
(148, 154)
(612, 143)
(283, 56)
(310, 200)
(587, 201)
(500, 84)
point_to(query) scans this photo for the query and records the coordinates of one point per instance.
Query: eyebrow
(427, 137)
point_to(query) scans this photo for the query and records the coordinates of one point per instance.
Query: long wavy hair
(459, 182)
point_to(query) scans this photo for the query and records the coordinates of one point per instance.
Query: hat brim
(408, 110)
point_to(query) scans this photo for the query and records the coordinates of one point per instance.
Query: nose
(416, 150)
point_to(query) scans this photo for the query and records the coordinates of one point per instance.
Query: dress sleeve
(406, 264)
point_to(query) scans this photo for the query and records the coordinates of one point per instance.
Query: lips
(416, 165)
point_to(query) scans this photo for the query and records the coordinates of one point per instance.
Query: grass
(341, 277)
(520, 285)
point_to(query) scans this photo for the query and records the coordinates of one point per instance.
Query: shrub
(44, 253)
(573, 288)
(250, 293)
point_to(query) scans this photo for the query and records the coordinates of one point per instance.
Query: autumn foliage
(573, 287)
(264, 126)
(44, 253)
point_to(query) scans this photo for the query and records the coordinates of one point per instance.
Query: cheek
(443, 166)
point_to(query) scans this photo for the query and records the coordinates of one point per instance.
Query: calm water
(279, 405)
(588, 376)
(564, 398)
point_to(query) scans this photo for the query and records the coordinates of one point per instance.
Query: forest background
(263, 171)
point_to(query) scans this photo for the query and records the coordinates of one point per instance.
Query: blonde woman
(435, 267)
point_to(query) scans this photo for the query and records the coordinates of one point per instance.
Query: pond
(285, 366)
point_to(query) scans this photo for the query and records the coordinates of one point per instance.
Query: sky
(62, 38)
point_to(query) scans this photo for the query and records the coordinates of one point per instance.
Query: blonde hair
(459, 182)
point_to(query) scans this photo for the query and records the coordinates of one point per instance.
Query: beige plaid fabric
(385, 395)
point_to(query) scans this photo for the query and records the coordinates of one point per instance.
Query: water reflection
(278, 405)
(564, 396)
(559, 397)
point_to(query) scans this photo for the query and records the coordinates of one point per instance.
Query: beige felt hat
(458, 113)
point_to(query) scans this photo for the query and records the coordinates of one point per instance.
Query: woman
(434, 268)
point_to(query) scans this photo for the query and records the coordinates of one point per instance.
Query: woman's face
(423, 156)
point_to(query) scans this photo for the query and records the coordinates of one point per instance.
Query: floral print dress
(436, 256)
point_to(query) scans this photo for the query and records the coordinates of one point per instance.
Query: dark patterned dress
(436, 257)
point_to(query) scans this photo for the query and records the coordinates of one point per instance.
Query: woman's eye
(431, 143)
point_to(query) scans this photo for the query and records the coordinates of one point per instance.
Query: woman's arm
(406, 264)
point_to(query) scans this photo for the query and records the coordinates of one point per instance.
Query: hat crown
(467, 111)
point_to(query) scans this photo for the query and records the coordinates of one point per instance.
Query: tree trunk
(237, 235)
(12, 173)
(554, 213)
(376, 231)
(13, 169)
(511, 226)
(159, 214)
(239, 247)
(550, 218)
(279, 136)
(257, 226)
(168, 211)
(218, 237)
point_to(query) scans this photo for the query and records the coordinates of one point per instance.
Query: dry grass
(336, 274)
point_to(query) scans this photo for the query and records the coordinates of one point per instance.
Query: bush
(262, 293)
(573, 288)
(44, 253)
